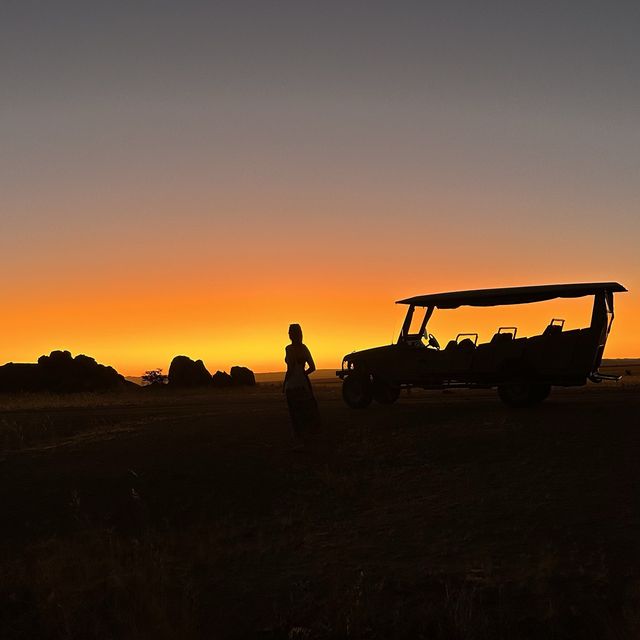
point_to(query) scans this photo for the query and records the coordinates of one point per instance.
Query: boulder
(57, 360)
(221, 379)
(241, 376)
(185, 372)
(60, 372)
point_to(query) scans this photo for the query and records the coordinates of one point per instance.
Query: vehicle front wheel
(384, 392)
(523, 394)
(357, 390)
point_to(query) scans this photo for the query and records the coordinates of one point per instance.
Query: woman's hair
(295, 333)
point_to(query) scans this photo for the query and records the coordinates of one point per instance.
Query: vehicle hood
(366, 354)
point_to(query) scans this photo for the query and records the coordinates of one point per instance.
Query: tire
(357, 390)
(541, 392)
(523, 394)
(384, 392)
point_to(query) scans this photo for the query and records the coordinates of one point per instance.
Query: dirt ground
(446, 515)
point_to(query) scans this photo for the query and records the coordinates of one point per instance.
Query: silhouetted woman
(297, 386)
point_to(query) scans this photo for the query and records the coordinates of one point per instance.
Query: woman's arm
(312, 365)
(286, 375)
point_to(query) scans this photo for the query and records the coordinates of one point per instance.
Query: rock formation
(185, 372)
(60, 372)
(222, 379)
(241, 376)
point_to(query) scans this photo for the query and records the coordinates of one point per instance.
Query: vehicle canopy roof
(511, 295)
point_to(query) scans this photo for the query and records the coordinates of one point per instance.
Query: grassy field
(153, 514)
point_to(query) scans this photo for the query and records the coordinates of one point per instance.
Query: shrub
(154, 377)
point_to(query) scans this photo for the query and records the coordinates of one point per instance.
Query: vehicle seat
(467, 344)
(501, 338)
(552, 330)
(451, 345)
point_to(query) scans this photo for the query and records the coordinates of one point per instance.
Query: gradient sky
(191, 177)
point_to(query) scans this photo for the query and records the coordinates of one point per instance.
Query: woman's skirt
(303, 410)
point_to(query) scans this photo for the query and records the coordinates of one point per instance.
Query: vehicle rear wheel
(384, 392)
(357, 390)
(523, 393)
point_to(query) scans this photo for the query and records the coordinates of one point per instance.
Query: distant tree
(154, 376)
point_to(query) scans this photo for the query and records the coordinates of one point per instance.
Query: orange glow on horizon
(137, 326)
(227, 294)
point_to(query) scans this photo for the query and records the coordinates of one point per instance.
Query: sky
(191, 177)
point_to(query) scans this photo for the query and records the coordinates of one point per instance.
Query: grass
(104, 585)
(445, 516)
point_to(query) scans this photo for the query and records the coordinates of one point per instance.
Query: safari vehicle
(522, 369)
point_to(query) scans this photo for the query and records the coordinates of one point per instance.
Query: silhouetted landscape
(187, 514)
(319, 320)
(62, 373)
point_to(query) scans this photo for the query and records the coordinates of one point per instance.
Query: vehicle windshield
(417, 321)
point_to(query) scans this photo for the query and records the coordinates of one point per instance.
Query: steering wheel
(433, 341)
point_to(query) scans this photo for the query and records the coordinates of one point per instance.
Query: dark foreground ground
(158, 515)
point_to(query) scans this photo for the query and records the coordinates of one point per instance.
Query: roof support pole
(599, 327)
(599, 314)
(427, 317)
(609, 299)
(407, 323)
